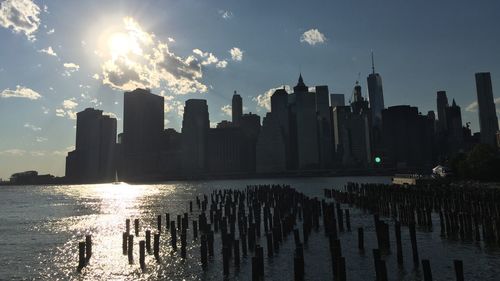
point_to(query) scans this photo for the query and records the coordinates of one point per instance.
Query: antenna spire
(373, 64)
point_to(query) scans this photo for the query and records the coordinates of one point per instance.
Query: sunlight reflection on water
(40, 231)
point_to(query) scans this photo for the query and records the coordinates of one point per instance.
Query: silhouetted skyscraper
(407, 138)
(337, 100)
(281, 121)
(93, 159)
(237, 108)
(271, 149)
(442, 104)
(488, 121)
(143, 122)
(454, 133)
(195, 125)
(307, 132)
(376, 96)
(325, 143)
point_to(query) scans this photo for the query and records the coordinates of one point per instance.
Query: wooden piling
(426, 266)
(459, 269)
(142, 254)
(130, 249)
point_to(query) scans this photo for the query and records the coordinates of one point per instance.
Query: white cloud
(236, 54)
(64, 152)
(227, 109)
(149, 64)
(49, 51)
(472, 107)
(171, 40)
(32, 127)
(67, 109)
(69, 104)
(13, 152)
(41, 139)
(20, 15)
(45, 110)
(226, 14)
(221, 64)
(313, 37)
(96, 76)
(110, 114)
(20, 92)
(71, 66)
(264, 100)
(52, 31)
(209, 58)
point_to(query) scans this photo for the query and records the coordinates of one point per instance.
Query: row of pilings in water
(245, 218)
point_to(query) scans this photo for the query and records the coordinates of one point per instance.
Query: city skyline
(57, 82)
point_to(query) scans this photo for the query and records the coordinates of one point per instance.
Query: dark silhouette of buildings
(488, 121)
(236, 108)
(376, 96)
(195, 125)
(407, 138)
(305, 131)
(143, 121)
(93, 159)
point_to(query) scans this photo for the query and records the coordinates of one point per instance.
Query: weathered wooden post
(204, 249)
(148, 241)
(136, 227)
(124, 242)
(426, 266)
(127, 226)
(459, 269)
(195, 229)
(236, 247)
(399, 247)
(173, 234)
(156, 246)
(142, 254)
(414, 248)
(159, 223)
(361, 239)
(81, 256)
(130, 249)
(88, 248)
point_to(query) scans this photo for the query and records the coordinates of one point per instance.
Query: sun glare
(120, 44)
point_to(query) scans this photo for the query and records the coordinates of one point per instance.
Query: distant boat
(116, 178)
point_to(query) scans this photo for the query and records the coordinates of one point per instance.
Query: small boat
(116, 178)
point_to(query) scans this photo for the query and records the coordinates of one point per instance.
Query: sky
(59, 57)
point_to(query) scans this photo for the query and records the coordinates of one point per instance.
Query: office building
(143, 124)
(376, 96)
(195, 125)
(488, 120)
(236, 108)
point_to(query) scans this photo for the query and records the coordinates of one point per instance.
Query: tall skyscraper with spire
(488, 120)
(237, 108)
(376, 96)
(442, 104)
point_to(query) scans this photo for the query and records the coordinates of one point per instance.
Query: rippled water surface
(40, 227)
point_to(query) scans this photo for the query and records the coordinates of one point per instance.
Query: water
(40, 228)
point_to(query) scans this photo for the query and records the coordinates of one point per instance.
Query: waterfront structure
(236, 108)
(143, 124)
(488, 120)
(93, 159)
(195, 125)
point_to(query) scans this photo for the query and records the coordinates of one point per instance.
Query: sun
(120, 44)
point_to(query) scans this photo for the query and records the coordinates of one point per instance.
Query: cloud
(472, 107)
(20, 92)
(69, 104)
(209, 58)
(264, 100)
(227, 109)
(71, 66)
(52, 31)
(150, 64)
(313, 37)
(41, 139)
(32, 127)
(236, 54)
(221, 64)
(20, 15)
(13, 152)
(171, 40)
(64, 152)
(111, 114)
(49, 51)
(226, 14)
(67, 109)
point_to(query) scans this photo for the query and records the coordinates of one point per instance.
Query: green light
(378, 160)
